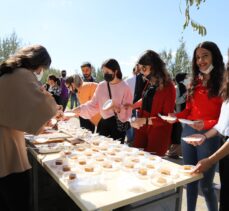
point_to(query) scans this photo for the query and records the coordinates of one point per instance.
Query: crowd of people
(121, 109)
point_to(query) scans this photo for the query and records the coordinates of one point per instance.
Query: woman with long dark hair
(24, 107)
(222, 154)
(203, 104)
(152, 133)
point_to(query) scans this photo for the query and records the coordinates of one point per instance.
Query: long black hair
(216, 75)
(30, 57)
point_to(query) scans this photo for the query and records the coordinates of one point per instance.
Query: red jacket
(157, 137)
(201, 107)
(163, 103)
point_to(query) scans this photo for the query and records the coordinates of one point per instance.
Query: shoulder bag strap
(109, 90)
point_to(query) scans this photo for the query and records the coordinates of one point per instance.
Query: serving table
(115, 189)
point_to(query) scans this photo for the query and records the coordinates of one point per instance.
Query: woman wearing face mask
(203, 104)
(152, 133)
(120, 94)
(27, 111)
(39, 75)
(222, 154)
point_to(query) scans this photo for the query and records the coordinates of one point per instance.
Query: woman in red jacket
(152, 133)
(203, 104)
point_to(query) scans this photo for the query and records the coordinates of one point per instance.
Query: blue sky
(75, 31)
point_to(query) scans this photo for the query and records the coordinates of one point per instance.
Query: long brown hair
(158, 67)
(30, 57)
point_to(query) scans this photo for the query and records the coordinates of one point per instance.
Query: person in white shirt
(222, 154)
(131, 81)
(181, 92)
(136, 83)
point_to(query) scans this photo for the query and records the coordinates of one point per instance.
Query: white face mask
(187, 81)
(210, 68)
(40, 75)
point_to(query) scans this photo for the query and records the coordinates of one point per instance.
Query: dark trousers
(176, 133)
(73, 100)
(87, 124)
(63, 102)
(15, 192)
(224, 180)
(108, 128)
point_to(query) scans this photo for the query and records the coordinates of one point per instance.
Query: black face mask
(148, 77)
(63, 75)
(108, 77)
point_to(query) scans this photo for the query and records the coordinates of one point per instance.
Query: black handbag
(121, 126)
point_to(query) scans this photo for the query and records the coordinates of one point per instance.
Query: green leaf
(196, 26)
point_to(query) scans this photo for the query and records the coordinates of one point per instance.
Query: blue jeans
(130, 132)
(73, 100)
(191, 156)
(130, 135)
